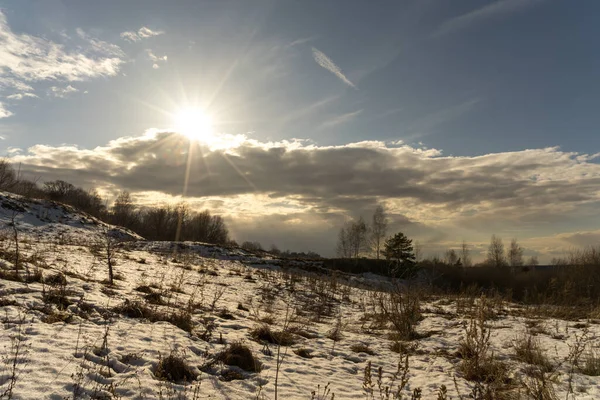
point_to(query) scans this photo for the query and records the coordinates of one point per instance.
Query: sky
(463, 119)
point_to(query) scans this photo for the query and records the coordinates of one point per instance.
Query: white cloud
(27, 58)
(142, 33)
(4, 113)
(496, 9)
(156, 59)
(329, 65)
(62, 92)
(21, 96)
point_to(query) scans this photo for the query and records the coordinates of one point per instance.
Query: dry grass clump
(362, 348)
(239, 355)
(174, 368)
(528, 350)
(304, 353)
(134, 309)
(404, 347)
(263, 333)
(591, 362)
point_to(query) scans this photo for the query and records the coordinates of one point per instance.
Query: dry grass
(263, 333)
(239, 355)
(362, 348)
(174, 368)
(528, 350)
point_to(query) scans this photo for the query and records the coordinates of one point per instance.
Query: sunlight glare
(195, 124)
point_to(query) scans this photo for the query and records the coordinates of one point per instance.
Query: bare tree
(8, 177)
(123, 209)
(533, 261)
(465, 255)
(451, 257)
(418, 249)
(495, 255)
(343, 244)
(378, 229)
(352, 239)
(515, 254)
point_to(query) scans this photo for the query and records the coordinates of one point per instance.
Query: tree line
(357, 238)
(164, 222)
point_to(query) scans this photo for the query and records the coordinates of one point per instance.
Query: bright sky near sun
(464, 118)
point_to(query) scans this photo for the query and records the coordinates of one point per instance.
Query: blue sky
(445, 79)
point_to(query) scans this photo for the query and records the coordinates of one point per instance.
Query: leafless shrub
(14, 360)
(322, 394)
(374, 383)
(402, 309)
(528, 350)
(478, 364)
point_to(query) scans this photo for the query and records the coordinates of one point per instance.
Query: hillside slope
(68, 333)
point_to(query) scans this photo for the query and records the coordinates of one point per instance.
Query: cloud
(4, 113)
(26, 59)
(428, 195)
(496, 9)
(142, 33)
(155, 59)
(341, 119)
(21, 96)
(62, 92)
(329, 65)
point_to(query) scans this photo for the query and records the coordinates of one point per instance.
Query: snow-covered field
(80, 337)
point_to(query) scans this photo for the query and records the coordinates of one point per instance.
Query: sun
(195, 124)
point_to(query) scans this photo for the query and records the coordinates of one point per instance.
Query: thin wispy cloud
(142, 33)
(326, 62)
(62, 92)
(301, 41)
(496, 9)
(341, 119)
(155, 59)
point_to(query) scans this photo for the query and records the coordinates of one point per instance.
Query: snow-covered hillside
(68, 333)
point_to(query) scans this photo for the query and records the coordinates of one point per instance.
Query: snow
(97, 353)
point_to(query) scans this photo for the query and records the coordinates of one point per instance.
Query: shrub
(403, 311)
(478, 365)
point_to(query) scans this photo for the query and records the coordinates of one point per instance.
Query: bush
(402, 310)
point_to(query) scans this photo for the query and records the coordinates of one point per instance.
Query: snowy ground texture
(68, 334)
